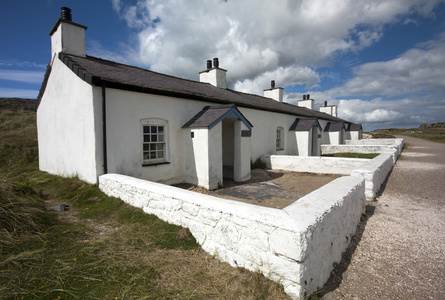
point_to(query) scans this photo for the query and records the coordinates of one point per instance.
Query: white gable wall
(69, 126)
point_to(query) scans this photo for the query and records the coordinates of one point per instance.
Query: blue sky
(382, 62)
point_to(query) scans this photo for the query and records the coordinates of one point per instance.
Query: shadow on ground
(336, 277)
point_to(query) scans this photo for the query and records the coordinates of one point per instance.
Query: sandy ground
(269, 188)
(399, 249)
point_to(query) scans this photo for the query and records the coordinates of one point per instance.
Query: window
(154, 141)
(279, 138)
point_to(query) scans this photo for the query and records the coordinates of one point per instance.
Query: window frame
(159, 144)
(279, 138)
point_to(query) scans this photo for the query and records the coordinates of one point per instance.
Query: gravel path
(399, 249)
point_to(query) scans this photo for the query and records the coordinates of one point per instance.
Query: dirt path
(399, 250)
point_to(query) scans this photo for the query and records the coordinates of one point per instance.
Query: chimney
(306, 102)
(66, 36)
(215, 76)
(329, 109)
(66, 14)
(275, 93)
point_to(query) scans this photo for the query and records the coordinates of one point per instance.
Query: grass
(100, 248)
(430, 134)
(353, 155)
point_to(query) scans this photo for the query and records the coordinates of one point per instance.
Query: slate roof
(304, 124)
(100, 72)
(211, 115)
(332, 127)
(354, 127)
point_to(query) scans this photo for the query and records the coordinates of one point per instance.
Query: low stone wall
(397, 143)
(375, 172)
(313, 164)
(364, 149)
(296, 246)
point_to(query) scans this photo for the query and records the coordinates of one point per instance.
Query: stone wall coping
(270, 216)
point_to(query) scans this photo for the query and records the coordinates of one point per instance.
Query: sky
(382, 62)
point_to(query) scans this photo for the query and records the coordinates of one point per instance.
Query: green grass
(100, 248)
(353, 155)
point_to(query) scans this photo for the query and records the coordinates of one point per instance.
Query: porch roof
(209, 116)
(304, 124)
(332, 127)
(354, 127)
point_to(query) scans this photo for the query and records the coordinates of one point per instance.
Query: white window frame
(154, 141)
(279, 138)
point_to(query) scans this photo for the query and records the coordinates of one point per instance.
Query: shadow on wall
(337, 273)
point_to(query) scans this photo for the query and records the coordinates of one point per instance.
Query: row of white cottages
(96, 116)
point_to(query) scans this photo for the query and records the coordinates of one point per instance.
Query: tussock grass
(100, 248)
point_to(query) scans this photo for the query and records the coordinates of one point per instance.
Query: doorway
(228, 147)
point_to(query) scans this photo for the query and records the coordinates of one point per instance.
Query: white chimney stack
(306, 102)
(274, 93)
(215, 76)
(67, 37)
(329, 109)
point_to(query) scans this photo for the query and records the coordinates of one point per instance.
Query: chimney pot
(325, 103)
(308, 96)
(209, 64)
(304, 97)
(272, 84)
(66, 14)
(216, 62)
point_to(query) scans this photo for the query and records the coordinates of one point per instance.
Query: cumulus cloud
(289, 41)
(254, 39)
(380, 113)
(289, 76)
(419, 69)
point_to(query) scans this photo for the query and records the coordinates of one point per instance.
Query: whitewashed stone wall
(375, 172)
(397, 143)
(296, 246)
(313, 164)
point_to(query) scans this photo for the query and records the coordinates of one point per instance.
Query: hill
(17, 103)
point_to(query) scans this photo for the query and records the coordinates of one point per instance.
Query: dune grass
(436, 135)
(100, 248)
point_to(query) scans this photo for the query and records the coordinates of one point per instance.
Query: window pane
(154, 138)
(153, 155)
(146, 129)
(152, 146)
(161, 137)
(154, 129)
(146, 156)
(146, 138)
(160, 154)
(160, 146)
(146, 147)
(161, 129)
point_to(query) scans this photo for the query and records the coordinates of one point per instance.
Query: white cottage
(96, 116)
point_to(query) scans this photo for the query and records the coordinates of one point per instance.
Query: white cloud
(255, 38)
(289, 76)
(287, 41)
(414, 71)
(22, 76)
